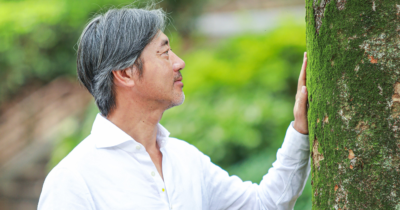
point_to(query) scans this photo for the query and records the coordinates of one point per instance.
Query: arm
(279, 189)
(65, 189)
(284, 182)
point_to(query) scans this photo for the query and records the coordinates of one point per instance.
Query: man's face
(161, 79)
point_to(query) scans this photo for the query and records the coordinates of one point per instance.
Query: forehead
(160, 40)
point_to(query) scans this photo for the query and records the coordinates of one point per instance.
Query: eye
(166, 52)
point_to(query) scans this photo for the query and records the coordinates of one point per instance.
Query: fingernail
(304, 89)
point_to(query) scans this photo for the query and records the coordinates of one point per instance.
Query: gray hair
(114, 41)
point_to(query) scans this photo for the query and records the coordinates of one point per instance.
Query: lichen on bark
(353, 79)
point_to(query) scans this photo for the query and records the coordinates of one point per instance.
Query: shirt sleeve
(65, 189)
(280, 187)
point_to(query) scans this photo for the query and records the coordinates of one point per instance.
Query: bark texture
(354, 95)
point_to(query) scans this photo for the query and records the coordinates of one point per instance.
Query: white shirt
(109, 170)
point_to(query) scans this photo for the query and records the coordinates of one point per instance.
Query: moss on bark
(354, 95)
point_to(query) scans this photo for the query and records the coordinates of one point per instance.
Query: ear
(125, 77)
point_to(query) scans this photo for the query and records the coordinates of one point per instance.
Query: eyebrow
(164, 42)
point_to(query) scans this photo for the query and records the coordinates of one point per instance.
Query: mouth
(178, 80)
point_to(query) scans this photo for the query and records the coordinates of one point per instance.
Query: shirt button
(163, 189)
(152, 173)
(138, 147)
(171, 207)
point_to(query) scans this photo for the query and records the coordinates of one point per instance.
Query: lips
(179, 80)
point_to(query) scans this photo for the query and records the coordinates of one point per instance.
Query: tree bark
(354, 103)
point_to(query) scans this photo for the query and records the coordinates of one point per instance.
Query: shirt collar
(110, 135)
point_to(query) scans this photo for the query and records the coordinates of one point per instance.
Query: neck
(138, 120)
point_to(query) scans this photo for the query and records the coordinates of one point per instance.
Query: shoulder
(65, 181)
(64, 188)
(182, 146)
(60, 175)
(187, 151)
(79, 156)
(69, 166)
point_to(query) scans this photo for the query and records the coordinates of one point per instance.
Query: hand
(300, 106)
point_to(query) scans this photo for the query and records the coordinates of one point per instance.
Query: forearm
(285, 181)
(279, 189)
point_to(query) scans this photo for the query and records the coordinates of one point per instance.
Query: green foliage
(37, 38)
(242, 94)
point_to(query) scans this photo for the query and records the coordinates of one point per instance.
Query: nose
(177, 63)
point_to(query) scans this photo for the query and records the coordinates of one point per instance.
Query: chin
(178, 100)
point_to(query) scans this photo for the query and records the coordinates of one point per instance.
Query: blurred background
(243, 58)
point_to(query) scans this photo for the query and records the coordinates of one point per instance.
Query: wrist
(300, 127)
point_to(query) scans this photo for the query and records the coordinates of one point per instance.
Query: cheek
(157, 76)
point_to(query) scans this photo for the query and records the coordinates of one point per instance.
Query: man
(129, 161)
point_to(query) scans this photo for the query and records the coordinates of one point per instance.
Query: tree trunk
(354, 103)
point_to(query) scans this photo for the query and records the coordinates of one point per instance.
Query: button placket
(145, 160)
(158, 181)
(163, 194)
(166, 172)
(153, 173)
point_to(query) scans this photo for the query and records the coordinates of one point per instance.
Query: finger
(302, 77)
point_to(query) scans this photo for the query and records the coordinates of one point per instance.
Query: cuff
(295, 145)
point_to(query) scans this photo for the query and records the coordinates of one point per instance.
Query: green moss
(352, 67)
